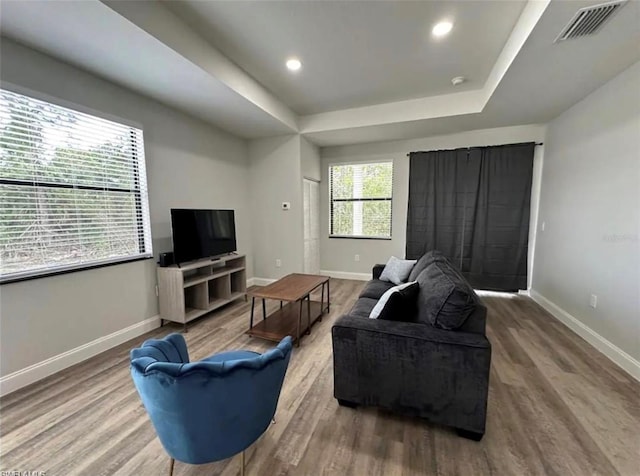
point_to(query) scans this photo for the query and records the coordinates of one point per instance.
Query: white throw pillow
(382, 302)
(397, 270)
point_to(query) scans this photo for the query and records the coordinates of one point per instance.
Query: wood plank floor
(556, 407)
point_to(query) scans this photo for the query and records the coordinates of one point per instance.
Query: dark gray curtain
(437, 193)
(473, 205)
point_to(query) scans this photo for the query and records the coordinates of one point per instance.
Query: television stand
(191, 290)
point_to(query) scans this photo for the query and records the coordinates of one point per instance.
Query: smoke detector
(458, 80)
(589, 20)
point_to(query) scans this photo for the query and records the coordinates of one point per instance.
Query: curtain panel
(473, 205)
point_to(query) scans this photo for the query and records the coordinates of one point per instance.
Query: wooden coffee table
(295, 290)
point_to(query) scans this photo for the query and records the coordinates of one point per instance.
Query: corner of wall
(275, 172)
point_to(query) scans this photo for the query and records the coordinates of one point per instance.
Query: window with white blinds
(73, 190)
(360, 200)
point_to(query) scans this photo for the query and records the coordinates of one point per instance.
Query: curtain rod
(417, 151)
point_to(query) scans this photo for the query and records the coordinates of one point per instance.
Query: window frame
(331, 200)
(145, 240)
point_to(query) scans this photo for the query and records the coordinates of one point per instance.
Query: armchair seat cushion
(231, 355)
(375, 288)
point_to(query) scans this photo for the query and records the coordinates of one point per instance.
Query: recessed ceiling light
(294, 64)
(442, 28)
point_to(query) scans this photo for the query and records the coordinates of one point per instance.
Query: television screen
(200, 234)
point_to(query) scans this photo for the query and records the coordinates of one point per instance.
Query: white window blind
(73, 190)
(361, 198)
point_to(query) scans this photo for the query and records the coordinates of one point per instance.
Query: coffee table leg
(321, 303)
(280, 304)
(299, 321)
(328, 296)
(264, 309)
(309, 314)
(253, 305)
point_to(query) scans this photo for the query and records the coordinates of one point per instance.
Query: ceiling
(371, 70)
(355, 53)
(543, 80)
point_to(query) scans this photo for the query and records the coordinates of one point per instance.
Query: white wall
(276, 177)
(590, 204)
(337, 254)
(189, 164)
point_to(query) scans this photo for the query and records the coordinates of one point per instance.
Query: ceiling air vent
(588, 20)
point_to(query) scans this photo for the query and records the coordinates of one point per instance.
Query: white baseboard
(35, 372)
(260, 281)
(346, 275)
(614, 353)
(333, 274)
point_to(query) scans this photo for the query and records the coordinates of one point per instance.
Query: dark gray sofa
(409, 365)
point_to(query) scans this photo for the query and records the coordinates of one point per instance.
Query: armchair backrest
(207, 411)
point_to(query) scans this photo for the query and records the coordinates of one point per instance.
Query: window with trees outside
(360, 200)
(73, 190)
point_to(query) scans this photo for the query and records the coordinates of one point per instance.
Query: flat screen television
(199, 234)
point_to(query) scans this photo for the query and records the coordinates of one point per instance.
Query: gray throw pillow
(387, 299)
(397, 270)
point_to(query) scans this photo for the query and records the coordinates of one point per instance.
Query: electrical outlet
(593, 301)
(157, 292)
(278, 263)
(543, 225)
(356, 258)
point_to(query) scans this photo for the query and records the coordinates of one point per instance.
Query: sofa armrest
(377, 270)
(411, 330)
(413, 368)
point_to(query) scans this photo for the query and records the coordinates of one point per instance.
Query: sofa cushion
(363, 307)
(445, 299)
(397, 304)
(423, 262)
(375, 288)
(397, 270)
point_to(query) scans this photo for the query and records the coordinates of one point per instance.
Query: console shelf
(192, 290)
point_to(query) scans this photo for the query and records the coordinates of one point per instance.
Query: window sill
(48, 273)
(349, 237)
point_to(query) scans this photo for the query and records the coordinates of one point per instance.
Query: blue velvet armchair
(209, 410)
